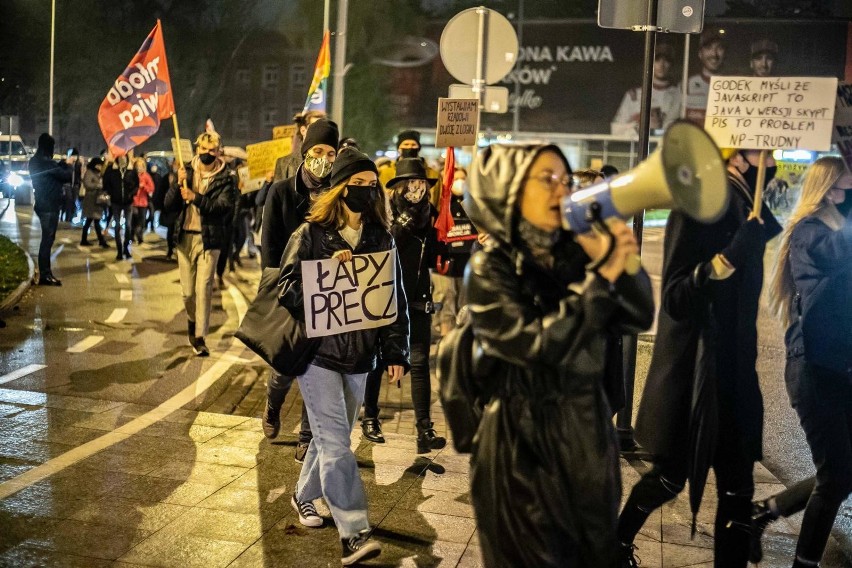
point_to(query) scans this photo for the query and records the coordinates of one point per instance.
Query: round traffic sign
(459, 40)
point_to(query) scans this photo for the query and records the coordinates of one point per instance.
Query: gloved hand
(748, 241)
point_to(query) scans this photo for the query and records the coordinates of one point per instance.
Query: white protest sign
(842, 134)
(185, 149)
(458, 122)
(348, 296)
(771, 113)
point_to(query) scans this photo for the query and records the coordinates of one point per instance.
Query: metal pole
(326, 15)
(684, 78)
(340, 68)
(479, 80)
(624, 422)
(52, 42)
(516, 118)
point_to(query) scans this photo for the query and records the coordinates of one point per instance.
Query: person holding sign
(702, 405)
(544, 478)
(811, 290)
(352, 220)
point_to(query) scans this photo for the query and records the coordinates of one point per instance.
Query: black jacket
(48, 177)
(287, 166)
(353, 351)
(417, 251)
(285, 208)
(216, 207)
(121, 189)
(821, 265)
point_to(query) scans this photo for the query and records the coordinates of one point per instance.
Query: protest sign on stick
(263, 155)
(348, 296)
(458, 122)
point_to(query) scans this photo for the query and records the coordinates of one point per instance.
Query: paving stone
(432, 501)
(448, 481)
(248, 439)
(46, 499)
(25, 555)
(92, 405)
(242, 501)
(201, 472)
(10, 468)
(169, 550)
(160, 489)
(226, 455)
(222, 525)
(96, 540)
(125, 462)
(22, 397)
(428, 527)
(677, 556)
(472, 557)
(129, 513)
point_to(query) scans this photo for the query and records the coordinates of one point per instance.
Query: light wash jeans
(330, 469)
(197, 268)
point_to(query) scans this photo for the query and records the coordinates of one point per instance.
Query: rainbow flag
(318, 93)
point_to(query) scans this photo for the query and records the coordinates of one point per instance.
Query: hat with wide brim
(410, 168)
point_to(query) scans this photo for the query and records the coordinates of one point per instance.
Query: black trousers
(421, 381)
(97, 224)
(276, 391)
(823, 400)
(49, 220)
(735, 488)
(117, 212)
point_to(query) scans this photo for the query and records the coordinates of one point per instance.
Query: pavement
(128, 451)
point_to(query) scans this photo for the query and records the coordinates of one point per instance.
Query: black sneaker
(308, 515)
(200, 347)
(301, 451)
(628, 556)
(359, 547)
(761, 517)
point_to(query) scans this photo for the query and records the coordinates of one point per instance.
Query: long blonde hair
(327, 209)
(818, 180)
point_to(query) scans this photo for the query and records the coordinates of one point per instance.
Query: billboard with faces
(574, 77)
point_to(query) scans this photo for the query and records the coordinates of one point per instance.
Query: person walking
(286, 167)
(204, 198)
(121, 183)
(544, 478)
(702, 405)
(141, 199)
(47, 178)
(168, 217)
(349, 219)
(285, 209)
(408, 147)
(415, 238)
(811, 290)
(93, 202)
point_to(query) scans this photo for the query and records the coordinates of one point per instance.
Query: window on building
(298, 76)
(270, 118)
(243, 77)
(270, 76)
(241, 123)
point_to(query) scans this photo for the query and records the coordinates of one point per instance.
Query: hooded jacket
(546, 441)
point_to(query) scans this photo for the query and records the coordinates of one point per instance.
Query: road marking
(22, 372)
(66, 240)
(85, 344)
(122, 278)
(83, 249)
(56, 252)
(116, 316)
(187, 395)
(127, 295)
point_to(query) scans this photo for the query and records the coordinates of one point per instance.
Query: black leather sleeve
(299, 248)
(395, 338)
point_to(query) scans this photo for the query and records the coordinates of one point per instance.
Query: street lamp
(52, 41)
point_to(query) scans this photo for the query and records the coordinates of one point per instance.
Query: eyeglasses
(554, 180)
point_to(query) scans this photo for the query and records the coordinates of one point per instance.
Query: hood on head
(495, 181)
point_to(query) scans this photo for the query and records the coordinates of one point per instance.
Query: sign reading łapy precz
(458, 122)
(347, 296)
(770, 113)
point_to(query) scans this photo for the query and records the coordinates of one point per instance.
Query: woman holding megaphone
(545, 480)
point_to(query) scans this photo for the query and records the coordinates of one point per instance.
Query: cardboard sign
(842, 132)
(771, 113)
(185, 149)
(283, 131)
(347, 296)
(458, 122)
(248, 185)
(262, 156)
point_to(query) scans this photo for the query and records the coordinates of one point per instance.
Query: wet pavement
(128, 451)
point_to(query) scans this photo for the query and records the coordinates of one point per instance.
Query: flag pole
(177, 137)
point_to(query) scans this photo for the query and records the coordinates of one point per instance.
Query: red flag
(445, 217)
(139, 98)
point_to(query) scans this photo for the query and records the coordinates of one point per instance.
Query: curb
(16, 295)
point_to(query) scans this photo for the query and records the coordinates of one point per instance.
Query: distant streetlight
(52, 41)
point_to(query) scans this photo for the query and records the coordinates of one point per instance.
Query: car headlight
(14, 180)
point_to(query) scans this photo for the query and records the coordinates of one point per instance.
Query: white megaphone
(686, 173)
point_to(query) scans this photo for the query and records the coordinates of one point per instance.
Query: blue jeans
(49, 220)
(330, 469)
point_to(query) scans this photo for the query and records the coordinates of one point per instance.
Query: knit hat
(348, 163)
(407, 135)
(323, 131)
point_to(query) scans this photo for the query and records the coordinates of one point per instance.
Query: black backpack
(457, 391)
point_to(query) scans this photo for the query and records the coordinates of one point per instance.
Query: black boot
(761, 516)
(628, 556)
(271, 422)
(372, 429)
(427, 439)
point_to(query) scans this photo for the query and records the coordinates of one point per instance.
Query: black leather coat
(121, 188)
(352, 351)
(216, 207)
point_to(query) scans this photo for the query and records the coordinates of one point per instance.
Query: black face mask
(358, 198)
(750, 175)
(409, 152)
(206, 158)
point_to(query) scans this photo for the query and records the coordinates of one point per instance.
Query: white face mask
(320, 167)
(414, 190)
(458, 187)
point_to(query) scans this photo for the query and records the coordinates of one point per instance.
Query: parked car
(14, 171)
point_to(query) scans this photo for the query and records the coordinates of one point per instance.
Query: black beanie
(407, 135)
(322, 131)
(348, 163)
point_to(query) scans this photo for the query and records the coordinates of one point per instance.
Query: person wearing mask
(350, 219)
(702, 402)
(93, 207)
(121, 182)
(415, 238)
(141, 199)
(47, 178)
(408, 146)
(811, 291)
(204, 198)
(286, 167)
(711, 54)
(284, 211)
(544, 478)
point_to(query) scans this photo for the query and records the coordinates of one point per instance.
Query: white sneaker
(308, 515)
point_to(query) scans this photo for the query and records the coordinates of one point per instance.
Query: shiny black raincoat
(545, 480)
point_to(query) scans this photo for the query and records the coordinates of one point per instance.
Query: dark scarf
(537, 243)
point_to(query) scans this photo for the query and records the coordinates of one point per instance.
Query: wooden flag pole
(179, 153)
(758, 191)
